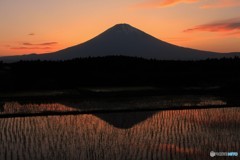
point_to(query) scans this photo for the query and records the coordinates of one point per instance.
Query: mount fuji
(123, 39)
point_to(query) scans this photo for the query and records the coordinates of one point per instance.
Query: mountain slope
(123, 39)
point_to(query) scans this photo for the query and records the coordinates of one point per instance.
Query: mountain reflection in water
(176, 134)
(125, 120)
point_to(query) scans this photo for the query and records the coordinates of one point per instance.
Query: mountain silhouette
(123, 39)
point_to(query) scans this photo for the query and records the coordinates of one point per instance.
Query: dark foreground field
(206, 76)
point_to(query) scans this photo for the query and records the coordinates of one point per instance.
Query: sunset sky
(41, 26)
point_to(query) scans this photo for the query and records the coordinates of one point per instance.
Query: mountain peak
(124, 27)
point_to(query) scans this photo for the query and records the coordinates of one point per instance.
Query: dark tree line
(119, 71)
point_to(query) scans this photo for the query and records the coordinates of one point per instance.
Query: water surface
(176, 134)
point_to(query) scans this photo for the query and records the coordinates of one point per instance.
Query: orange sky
(45, 26)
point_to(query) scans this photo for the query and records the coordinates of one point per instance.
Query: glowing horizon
(48, 26)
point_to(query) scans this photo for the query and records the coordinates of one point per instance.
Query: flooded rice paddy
(172, 134)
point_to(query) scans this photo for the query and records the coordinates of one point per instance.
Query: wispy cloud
(221, 4)
(173, 2)
(208, 3)
(40, 44)
(161, 3)
(229, 27)
(26, 48)
(31, 34)
(34, 46)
